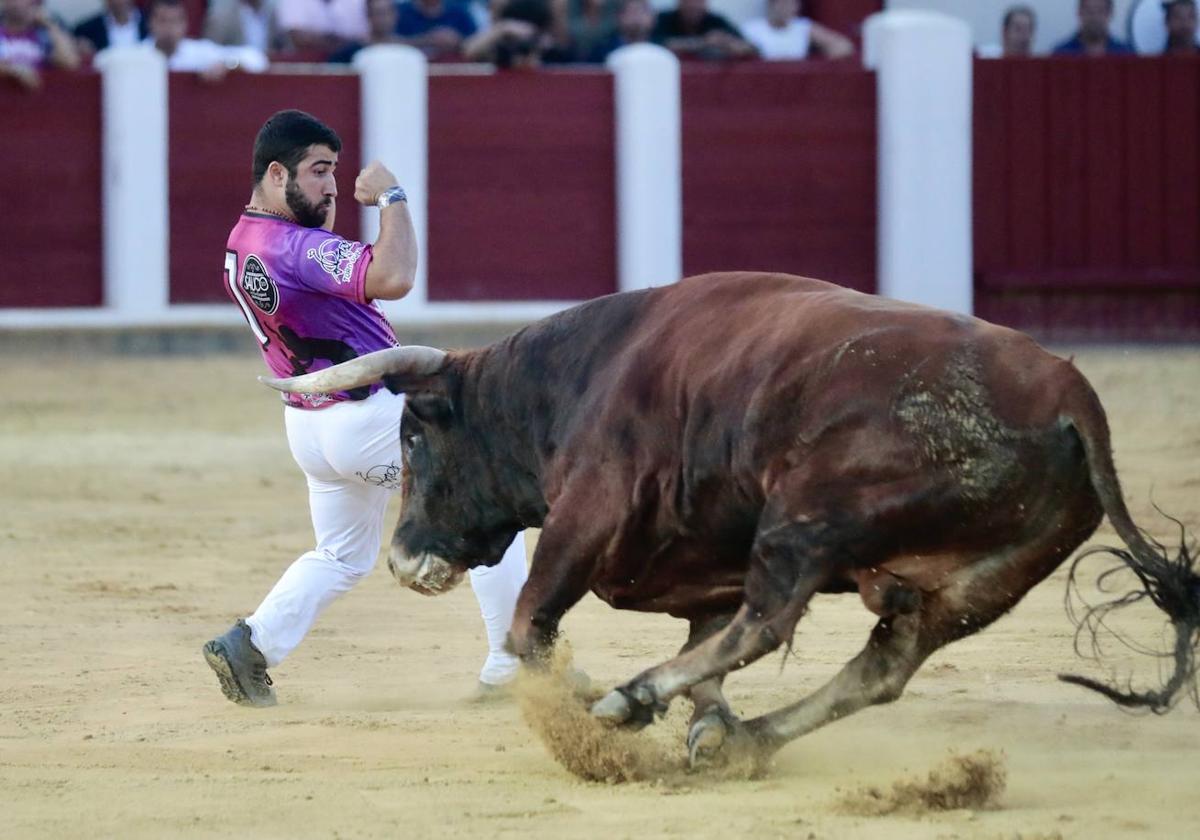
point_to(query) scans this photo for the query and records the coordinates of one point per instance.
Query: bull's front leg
(560, 574)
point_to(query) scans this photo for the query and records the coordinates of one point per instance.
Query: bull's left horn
(413, 360)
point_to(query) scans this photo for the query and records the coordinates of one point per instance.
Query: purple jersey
(303, 292)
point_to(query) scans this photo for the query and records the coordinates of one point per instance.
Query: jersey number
(235, 289)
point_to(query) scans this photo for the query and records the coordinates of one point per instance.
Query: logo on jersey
(259, 286)
(337, 258)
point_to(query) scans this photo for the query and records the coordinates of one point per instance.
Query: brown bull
(725, 448)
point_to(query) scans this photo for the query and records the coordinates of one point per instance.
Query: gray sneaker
(240, 667)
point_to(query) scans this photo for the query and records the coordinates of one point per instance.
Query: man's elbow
(395, 285)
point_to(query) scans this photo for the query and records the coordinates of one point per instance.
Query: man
(168, 30)
(520, 37)
(323, 25)
(1093, 38)
(1181, 27)
(435, 27)
(692, 31)
(121, 24)
(243, 23)
(1016, 35)
(381, 23)
(30, 39)
(784, 36)
(635, 22)
(309, 298)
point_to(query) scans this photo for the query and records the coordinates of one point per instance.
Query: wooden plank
(1104, 138)
(1027, 174)
(1145, 208)
(1181, 162)
(1066, 169)
(990, 143)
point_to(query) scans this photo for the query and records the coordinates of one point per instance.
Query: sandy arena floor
(147, 503)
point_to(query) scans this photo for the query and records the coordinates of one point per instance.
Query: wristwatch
(390, 196)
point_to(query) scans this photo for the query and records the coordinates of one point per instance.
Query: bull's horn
(412, 360)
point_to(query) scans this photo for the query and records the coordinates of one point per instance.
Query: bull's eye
(408, 440)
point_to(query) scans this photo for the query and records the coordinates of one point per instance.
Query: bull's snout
(425, 573)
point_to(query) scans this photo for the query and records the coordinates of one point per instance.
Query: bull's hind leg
(712, 720)
(967, 601)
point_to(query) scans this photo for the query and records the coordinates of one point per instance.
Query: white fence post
(134, 161)
(395, 130)
(649, 166)
(923, 62)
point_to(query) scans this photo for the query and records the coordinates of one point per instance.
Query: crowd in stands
(241, 34)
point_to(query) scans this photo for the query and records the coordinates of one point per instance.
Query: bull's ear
(430, 407)
(407, 383)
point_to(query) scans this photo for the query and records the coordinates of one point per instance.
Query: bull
(725, 448)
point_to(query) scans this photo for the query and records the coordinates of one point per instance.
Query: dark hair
(1018, 10)
(286, 136)
(170, 4)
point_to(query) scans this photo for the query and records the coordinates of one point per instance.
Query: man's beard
(307, 214)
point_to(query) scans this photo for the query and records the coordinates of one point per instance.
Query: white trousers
(350, 454)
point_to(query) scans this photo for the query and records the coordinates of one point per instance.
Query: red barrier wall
(522, 195)
(212, 129)
(51, 206)
(1087, 196)
(779, 170)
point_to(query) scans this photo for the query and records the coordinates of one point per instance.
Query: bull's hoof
(707, 738)
(633, 709)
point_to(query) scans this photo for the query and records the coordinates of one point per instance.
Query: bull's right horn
(412, 360)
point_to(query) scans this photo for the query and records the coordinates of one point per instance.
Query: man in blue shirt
(436, 27)
(1093, 38)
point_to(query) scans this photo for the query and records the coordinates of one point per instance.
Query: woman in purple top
(30, 39)
(309, 298)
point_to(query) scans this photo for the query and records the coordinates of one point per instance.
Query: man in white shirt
(168, 31)
(119, 25)
(325, 25)
(243, 23)
(783, 36)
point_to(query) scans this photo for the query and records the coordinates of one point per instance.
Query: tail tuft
(1171, 580)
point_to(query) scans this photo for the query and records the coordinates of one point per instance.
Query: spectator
(635, 22)
(591, 26)
(783, 36)
(692, 31)
(244, 23)
(168, 31)
(520, 36)
(436, 27)
(322, 25)
(1016, 35)
(29, 40)
(381, 22)
(121, 24)
(1181, 27)
(1093, 37)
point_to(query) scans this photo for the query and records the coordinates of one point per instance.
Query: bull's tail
(1170, 582)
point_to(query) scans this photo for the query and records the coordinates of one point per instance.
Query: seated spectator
(1093, 37)
(635, 22)
(322, 25)
(1016, 35)
(783, 36)
(692, 31)
(244, 23)
(381, 21)
(436, 27)
(590, 26)
(121, 24)
(168, 31)
(520, 36)
(30, 39)
(1181, 27)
